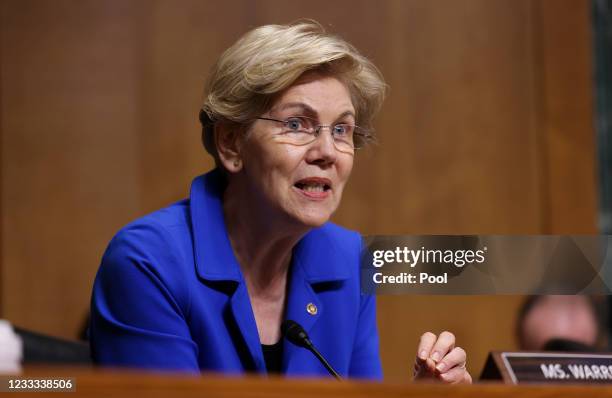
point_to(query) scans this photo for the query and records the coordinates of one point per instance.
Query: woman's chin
(309, 215)
(313, 219)
(315, 223)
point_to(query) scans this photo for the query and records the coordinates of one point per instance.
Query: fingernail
(435, 356)
(440, 367)
(423, 355)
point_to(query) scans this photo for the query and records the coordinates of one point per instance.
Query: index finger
(426, 344)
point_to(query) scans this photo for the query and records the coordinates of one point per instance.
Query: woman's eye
(294, 124)
(341, 129)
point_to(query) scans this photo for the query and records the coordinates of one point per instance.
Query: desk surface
(131, 384)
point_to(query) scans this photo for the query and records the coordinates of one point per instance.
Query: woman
(206, 283)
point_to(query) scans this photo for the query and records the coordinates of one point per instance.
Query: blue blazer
(169, 294)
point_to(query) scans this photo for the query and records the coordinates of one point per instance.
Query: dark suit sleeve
(140, 302)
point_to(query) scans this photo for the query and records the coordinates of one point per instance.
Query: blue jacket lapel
(215, 259)
(243, 314)
(316, 259)
(300, 297)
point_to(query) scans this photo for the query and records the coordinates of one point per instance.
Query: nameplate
(548, 367)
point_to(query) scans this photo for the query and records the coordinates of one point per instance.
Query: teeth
(313, 188)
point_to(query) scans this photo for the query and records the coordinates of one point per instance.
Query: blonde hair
(269, 59)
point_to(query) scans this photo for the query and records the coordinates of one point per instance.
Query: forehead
(325, 96)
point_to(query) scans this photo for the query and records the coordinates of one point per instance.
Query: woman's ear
(228, 140)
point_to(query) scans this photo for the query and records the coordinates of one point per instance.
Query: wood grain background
(487, 129)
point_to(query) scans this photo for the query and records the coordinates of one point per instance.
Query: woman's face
(301, 183)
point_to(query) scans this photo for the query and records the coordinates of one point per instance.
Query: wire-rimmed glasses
(302, 130)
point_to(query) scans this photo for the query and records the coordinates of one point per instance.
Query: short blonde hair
(269, 59)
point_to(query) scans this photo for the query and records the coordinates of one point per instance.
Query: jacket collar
(316, 253)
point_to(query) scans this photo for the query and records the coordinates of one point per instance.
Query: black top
(273, 356)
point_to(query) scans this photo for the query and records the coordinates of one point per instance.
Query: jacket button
(311, 309)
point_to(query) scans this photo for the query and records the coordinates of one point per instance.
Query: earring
(236, 163)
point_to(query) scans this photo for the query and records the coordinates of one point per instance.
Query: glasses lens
(343, 136)
(298, 130)
(301, 130)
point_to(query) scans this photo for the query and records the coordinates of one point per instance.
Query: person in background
(559, 323)
(205, 284)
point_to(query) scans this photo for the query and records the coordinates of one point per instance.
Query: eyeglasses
(302, 130)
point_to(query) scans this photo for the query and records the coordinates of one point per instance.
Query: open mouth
(314, 185)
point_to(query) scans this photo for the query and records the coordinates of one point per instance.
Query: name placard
(548, 367)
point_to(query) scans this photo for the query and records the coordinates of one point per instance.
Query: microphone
(295, 333)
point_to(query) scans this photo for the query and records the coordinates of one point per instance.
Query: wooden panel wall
(71, 78)
(487, 129)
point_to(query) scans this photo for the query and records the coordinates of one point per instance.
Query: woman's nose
(323, 149)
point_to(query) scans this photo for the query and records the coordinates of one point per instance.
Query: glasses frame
(359, 131)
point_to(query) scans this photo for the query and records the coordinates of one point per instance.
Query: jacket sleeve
(365, 360)
(139, 304)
